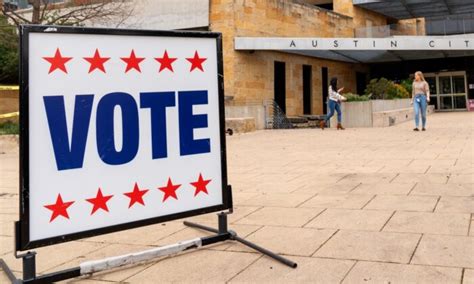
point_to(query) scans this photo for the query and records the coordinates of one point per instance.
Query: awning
(408, 9)
(365, 50)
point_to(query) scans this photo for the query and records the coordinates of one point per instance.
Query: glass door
(448, 90)
(459, 91)
(445, 92)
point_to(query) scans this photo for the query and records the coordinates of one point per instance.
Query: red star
(170, 190)
(97, 62)
(196, 62)
(99, 202)
(200, 185)
(59, 208)
(133, 62)
(136, 195)
(57, 62)
(166, 62)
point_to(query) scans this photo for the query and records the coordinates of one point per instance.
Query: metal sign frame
(22, 233)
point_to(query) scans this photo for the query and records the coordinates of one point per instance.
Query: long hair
(333, 84)
(419, 73)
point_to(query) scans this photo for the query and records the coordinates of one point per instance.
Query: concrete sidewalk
(375, 205)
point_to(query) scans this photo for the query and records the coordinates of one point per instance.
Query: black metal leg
(11, 276)
(224, 230)
(266, 252)
(29, 266)
(201, 227)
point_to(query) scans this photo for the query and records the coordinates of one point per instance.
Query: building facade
(297, 81)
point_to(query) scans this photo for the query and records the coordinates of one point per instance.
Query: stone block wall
(249, 75)
(255, 83)
(359, 16)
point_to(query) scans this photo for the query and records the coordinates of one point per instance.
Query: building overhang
(364, 50)
(408, 9)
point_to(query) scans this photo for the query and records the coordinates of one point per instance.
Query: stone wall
(254, 79)
(359, 15)
(376, 113)
(249, 75)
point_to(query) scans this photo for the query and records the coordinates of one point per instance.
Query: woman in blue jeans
(334, 104)
(420, 98)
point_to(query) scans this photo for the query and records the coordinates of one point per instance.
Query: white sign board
(124, 129)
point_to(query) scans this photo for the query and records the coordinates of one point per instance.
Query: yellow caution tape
(11, 114)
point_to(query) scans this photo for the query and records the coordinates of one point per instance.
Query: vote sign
(120, 128)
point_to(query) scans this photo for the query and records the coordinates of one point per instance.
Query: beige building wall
(249, 75)
(361, 17)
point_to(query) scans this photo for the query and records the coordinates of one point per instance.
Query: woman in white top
(420, 98)
(334, 103)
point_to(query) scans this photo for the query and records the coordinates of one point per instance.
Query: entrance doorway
(325, 85)
(307, 88)
(448, 90)
(361, 82)
(279, 79)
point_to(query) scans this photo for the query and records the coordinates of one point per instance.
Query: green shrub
(408, 85)
(396, 91)
(356, 98)
(383, 89)
(378, 88)
(9, 127)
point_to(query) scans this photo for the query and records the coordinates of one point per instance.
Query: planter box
(376, 113)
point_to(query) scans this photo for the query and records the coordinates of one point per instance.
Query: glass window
(445, 85)
(432, 83)
(459, 85)
(460, 102)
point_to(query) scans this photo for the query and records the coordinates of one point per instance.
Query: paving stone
(211, 218)
(455, 204)
(368, 178)
(7, 228)
(304, 242)
(384, 188)
(278, 199)
(349, 201)
(454, 251)
(404, 203)
(468, 276)
(139, 236)
(442, 162)
(279, 216)
(374, 246)
(449, 189)
(328, 189)
(309, 270)
(462, 178)
(331, 189)
(376, 272)
(429, 223)
(410, 169)
(6, 244)
(421, 178)
(348, 219)
(203, 266)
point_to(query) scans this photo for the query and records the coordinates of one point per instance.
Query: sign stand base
(222, 234)
(223, 229)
